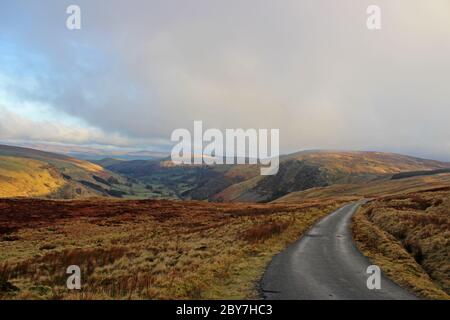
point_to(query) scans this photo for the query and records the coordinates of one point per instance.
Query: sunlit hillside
(33, 173)
(27, 177)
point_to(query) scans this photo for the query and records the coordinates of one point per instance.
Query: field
(144, 249)
(408, 236)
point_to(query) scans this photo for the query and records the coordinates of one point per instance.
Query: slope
(32, 173)
(311, 169)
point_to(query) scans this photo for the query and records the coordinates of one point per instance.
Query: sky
(137, 70)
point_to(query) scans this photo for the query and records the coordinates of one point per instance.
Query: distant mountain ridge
(34, 173)
(94, 153)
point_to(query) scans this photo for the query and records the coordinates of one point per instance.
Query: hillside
(303, 175)
(385, 186)
(372, 162)
(32, 173)
(312, 169)
(27, 177)
(298, 172)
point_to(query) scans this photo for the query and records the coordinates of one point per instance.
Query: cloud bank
(137, 70)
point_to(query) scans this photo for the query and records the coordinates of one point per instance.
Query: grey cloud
(17, 127)
(310, 68)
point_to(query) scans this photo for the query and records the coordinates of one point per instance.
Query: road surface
(325, 264)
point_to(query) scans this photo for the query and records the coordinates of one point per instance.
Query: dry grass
(27, 177)
(381, 187)
(408, 236)
(144, 249)
(264, 231)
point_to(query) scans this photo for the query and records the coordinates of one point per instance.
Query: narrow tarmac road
(325, 264)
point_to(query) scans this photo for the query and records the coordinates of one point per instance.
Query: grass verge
(408, 236)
